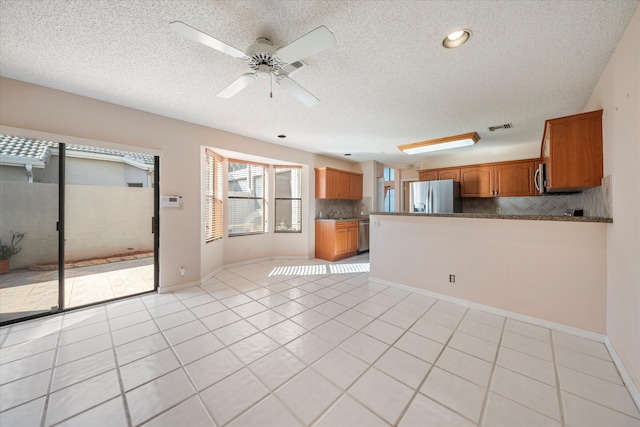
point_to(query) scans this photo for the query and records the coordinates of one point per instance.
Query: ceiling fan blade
(298, 91)
(309, 44)
(236, 86)
(207, 40)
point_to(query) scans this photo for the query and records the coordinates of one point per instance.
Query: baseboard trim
(626, 378)
(167, 289)
(583, 333)
(210, 275)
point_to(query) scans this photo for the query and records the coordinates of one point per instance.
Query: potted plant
(7, 250)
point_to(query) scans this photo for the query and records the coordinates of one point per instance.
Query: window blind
(213, 197)
(288, 199)
(245, 199)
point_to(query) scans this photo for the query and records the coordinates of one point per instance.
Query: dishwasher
(363, 236)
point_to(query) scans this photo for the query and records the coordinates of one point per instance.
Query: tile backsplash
(594, 202)
(347, 208)
(545, 205)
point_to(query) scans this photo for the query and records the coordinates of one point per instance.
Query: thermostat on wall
(171, 201)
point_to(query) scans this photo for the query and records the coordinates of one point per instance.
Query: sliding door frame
(60, 226)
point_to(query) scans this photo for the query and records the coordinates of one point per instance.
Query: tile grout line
(433, 365)
(307, 366)
(563, 419)
(45, 406)
(370, 365)
(485, 401)
(127, 410)
(180, 367)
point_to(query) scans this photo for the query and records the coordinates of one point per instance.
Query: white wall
(551, 270)
(36, 111)
(618, 93)
(469, 156)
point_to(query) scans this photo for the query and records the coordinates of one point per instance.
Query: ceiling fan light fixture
(456, 39)
(446, 143)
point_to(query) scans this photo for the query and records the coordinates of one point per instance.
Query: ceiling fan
(266, 60)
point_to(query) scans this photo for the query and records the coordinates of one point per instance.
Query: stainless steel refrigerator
(435, 197)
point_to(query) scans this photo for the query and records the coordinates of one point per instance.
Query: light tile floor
(284, 343)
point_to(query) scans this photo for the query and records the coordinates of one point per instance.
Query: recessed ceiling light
(456, 39)
(282, 136)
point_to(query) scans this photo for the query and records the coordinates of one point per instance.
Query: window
(389, 174)
(288, 200)
(246, 198)
(389, 190)
(213, 197)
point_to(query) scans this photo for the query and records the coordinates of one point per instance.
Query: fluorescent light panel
(446, 143)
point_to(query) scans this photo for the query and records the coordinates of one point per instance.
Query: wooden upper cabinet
(355, 186)
(476, 181)
(514, 179)
(572, 152)
(506, 179)
(428, 175)
(326, 183)
(438, 174)
(453, 174)
(338, 184)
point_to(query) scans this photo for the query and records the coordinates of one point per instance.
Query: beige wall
(47, 113)
(618, 93)
(100, 221)
(551, 270)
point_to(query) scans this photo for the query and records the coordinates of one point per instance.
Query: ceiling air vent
(505, 126)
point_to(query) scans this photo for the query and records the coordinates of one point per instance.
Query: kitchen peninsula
(551, 268)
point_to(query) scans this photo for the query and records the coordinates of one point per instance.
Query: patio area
(24, 292)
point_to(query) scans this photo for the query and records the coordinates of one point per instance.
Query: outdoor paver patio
(24, 292)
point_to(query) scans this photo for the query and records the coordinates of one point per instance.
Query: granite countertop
(501, 216)
(353, 218)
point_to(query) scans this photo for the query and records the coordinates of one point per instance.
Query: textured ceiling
(388, 81)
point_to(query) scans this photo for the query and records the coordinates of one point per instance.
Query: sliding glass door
(109, 239)
(80, 222)
(29, 178)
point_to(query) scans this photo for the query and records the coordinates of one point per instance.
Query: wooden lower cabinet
(336, 239)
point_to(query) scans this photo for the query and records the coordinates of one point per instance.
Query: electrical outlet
(452, 278)
(183, 271)
(376, 222)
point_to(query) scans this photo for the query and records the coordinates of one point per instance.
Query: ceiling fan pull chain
(270, 85)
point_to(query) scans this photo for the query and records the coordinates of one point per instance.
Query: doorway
(88, 217)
